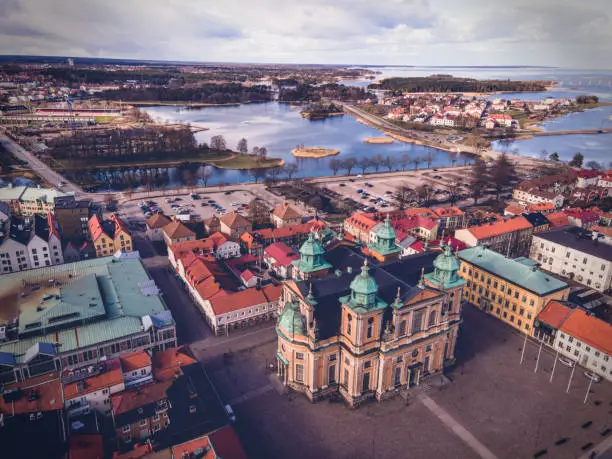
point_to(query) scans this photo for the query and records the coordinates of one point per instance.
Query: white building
(13, 249)
(137, 368)
(573, 253)
(535, 196)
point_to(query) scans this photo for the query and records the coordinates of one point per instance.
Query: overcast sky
(400, 32)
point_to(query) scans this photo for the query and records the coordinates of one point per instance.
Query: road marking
(598, 449)
(457, 429)
(249, 395)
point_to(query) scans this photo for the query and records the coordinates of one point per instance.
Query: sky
(560, 33)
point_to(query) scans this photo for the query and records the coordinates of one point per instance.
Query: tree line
(229, 93)
(303, 92)
(445, 83)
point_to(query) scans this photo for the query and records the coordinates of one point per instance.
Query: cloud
(417, 32)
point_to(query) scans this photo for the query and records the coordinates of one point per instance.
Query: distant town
(283, 315)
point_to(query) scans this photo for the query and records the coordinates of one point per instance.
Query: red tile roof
(235, 301)
(247, 275)
(234, 220)
(557, 219)
(448, 211)
(135, 361)
(285, 212)
(589, 329)
(131, 399)
(44, 391)
(226, 444)
(157, 221)
(112, 376)
(554, 314)
(95, 227)
(282, 253)
(500, 227)
(168, 362)
(176, 230)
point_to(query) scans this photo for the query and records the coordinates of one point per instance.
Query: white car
(592, 376)
(567, 362)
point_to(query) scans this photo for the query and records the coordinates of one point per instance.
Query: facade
(109, 236)
(13, 249)
(285, 215)
(514, 291)
(576, 254)
(578, 335)
(72, 216)
(280, 257)
(26, 201)
(137, 368)
(450, 218)
(368, 334)
(536, 196)
(234, 225)
(155, 223)
(45, 246)
(73, 315)
(510, 237)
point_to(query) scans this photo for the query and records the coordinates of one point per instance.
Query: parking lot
(493, 401)
(199, 205)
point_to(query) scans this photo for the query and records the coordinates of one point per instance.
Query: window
(125, 429)
(571, 339)
(349, 325)
(157, 428)
(568, 348)
(367, 364)
(417, 321)
(299, 356)
(156, 418)
(333, 357)
(299, 373)
(402, 328)
(576, 352)
(432, 318)
(428, 348)
(597, 353)
(370, 327)
(143, 422)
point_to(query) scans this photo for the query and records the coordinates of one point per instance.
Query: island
(319, 111)
(314, 152)
(378, 140)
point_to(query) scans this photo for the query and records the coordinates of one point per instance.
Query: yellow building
(109, 236)
(372, 333)
(514, 291)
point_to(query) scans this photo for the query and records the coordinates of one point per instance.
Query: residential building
(514, 291)
(137, 368)
(26, 201)
(510, 237)
(72, 216)
(576, 254)
(109, 236)
(241, 309)
(449, 218)
(558, 219)
(73, 315)
(538, 221)
(216, 246)
(578, 335)
(279, 258)
(93, 393)
(155, 223)
(582, 218)
(367, 333)
(537, 196)
(212, 225)
(285, 215)
(13, 249)
(588, 177)
(292, 236)
(220, 444)
(234, 225)
(175, 232)
(45, 246)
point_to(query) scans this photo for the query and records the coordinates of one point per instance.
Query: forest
(447, 83)
(310, 93)
(208, 93)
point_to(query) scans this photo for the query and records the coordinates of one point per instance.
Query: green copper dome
(446, 261)
(311, 247)
(364, 284)
(291, 320)
(446, 266)
(386, 231)
(363, 292)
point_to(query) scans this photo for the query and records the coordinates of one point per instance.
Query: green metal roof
(311, 247)
(386, 231)
(291, 320)
(364, 283)
(529, 278)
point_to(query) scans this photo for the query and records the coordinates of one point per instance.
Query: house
(217, 245)
(233, 224)
(72, 216)
(576, 254)
(279, 258)
(538, 221)
(241, 309)
(44, 246)
(449, 218)
(285, 215)
(510, 237)
(578, 335)
(26, 201)
(536, 196)
(137, 368)
(155, 223)
(512, 290)
(175, 232)
(220, 444)
(588, 177)
(558, 219)
(93, 393)
(582, 218)
(249, 279)
(212, 225)
(141, 413)
(109, 236)
(13, 248)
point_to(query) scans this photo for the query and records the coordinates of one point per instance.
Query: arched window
(370, 327)
(349, 326)
(432, 318)
(402, 328)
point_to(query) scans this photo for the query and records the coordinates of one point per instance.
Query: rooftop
(529, 278)
(157, 221)
(589, 329)
(27, 193)
(554, 314)
(135, 361)
(176, 230)
(111, 376)
(499, 227)
(579, 240)
(38, 394)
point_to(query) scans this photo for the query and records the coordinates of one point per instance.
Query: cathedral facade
(365, 328)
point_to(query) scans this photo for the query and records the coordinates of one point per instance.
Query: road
(40, 168)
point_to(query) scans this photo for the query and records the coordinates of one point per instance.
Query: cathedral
(364, 324)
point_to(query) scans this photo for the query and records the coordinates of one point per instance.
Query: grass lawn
(247, 162)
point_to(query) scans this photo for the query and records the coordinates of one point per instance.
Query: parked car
(230, 413)
(592, 376)
(565, 361)
(342, 184)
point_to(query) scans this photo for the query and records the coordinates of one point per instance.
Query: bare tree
(389, 162)
(416, 161)
(349, 164)
(364, 164)
(290, 169)
(243, 146)
(334, 165)
(218, 143)
(404, 196)
(429, 158)
(206, 174)
(259, 213)
(452, 155)
(405, 161)
(275, 172)
(377, 162)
